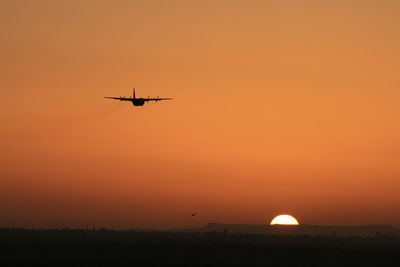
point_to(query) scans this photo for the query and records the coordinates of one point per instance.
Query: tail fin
(134, 96)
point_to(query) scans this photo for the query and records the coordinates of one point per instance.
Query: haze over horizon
(279, 107)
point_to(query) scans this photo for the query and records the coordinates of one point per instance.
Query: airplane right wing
(157, 99)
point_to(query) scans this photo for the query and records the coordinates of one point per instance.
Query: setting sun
(284, 220)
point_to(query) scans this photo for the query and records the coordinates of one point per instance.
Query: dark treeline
(65, 247)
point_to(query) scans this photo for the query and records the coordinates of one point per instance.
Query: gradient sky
(280, 107)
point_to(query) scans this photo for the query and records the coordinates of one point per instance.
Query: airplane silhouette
(193, 214)
(137, 101)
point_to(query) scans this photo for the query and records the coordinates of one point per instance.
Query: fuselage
(138, 102)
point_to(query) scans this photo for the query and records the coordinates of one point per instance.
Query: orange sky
(280, 107)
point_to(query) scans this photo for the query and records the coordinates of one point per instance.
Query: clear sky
(280, 107)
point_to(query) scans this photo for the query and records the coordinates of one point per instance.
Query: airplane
(137, 101)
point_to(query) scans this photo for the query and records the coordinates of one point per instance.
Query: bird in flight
(137, 101)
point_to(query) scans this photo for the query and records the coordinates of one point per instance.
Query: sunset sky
(279, 107)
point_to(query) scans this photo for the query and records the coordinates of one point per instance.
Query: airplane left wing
(119, 98)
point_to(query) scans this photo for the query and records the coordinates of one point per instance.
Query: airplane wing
(156, 99)
(120, 98)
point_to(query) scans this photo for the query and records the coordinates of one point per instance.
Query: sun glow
(284, 219)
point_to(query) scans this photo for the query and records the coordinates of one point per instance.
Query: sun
(284, 219)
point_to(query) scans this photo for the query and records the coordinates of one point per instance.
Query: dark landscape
(104, 247)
